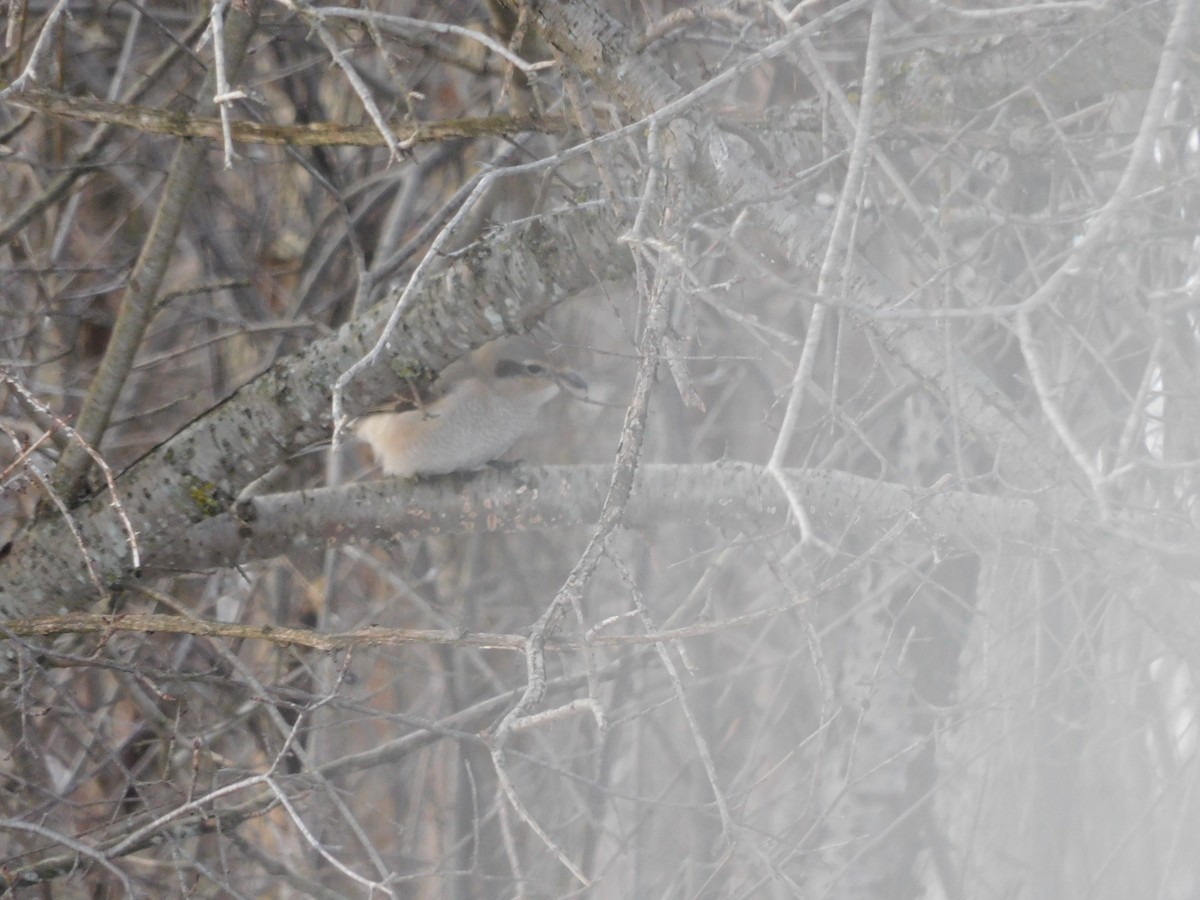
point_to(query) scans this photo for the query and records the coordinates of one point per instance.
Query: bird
(473, 423)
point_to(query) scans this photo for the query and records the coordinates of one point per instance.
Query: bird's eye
(535, 369)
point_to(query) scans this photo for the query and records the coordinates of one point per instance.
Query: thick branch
(731, 494)
(196, 474)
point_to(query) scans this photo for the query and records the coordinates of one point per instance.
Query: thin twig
(29, 73)
(135, 555)
(837, 254)
(223, 97)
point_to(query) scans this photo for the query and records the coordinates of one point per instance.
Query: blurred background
(864, 695)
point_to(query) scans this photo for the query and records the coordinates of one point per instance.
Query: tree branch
(197, 473)
(138, 306)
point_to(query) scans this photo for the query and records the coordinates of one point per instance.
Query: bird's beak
(571, 382)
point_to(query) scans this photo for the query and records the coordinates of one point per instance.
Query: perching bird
(475, 422)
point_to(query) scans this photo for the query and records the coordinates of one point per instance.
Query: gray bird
(475, 422)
